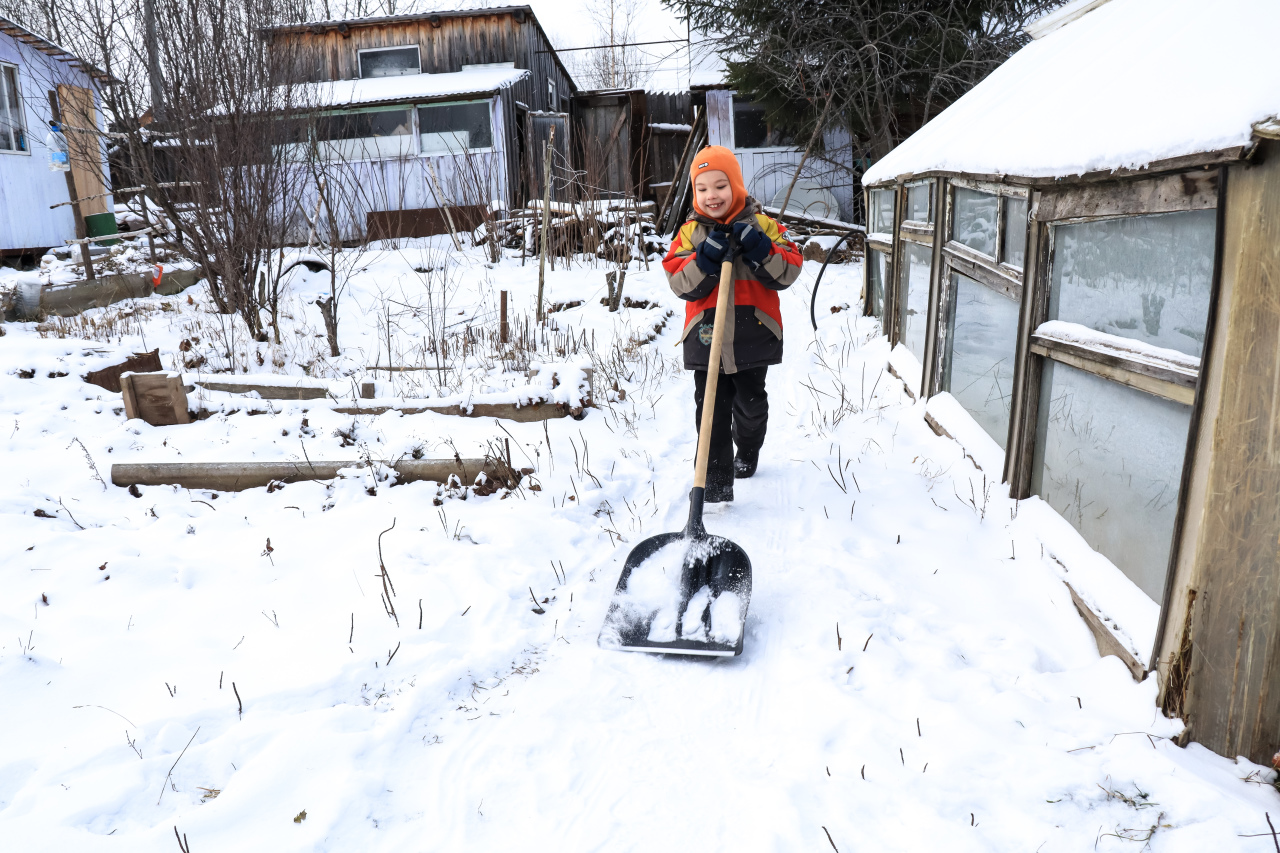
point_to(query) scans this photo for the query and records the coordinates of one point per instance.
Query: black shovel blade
(680, 594)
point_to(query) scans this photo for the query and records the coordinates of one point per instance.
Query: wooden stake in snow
(547, 148)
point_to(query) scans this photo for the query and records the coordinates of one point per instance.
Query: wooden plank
(87, 165)
(1171, 653)
(1185, 191)
(1176, 385)
(1107, 642)
(238, 476)
(530, 413)
(1233, 704)
(720, 118)
(1026, 369)
(301, 391)
(109, 377)
(157, 398)
(984, 270)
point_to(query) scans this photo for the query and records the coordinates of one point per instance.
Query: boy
(727, 223)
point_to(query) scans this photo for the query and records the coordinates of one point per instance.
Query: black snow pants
(741, 417)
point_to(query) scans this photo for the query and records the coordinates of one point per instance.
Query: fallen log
(238, 476)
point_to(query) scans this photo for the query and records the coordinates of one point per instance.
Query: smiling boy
(728, 223)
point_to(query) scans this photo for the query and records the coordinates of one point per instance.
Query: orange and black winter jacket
(754, 338)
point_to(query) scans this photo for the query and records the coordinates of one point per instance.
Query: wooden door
(80, 123)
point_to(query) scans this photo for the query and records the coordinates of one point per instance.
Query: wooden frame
(362, 51)
(21, 109)
(160, 399)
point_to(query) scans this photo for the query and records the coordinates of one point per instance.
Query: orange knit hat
(717, 158)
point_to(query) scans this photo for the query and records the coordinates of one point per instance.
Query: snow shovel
(686, 593)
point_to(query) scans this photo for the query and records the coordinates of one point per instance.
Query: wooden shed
(769, 157)
(467, 94)
(40, 81)
(1079, 259)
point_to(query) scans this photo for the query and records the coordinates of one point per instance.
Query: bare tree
(614, 64)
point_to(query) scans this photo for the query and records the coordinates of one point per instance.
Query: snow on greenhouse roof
(408, 87)
(1130, 83)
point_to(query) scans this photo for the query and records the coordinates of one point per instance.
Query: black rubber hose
(830, 253)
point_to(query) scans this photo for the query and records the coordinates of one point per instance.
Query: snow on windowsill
(1127, 348)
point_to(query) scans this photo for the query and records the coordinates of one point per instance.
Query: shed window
(917, 263)
(1109, 459)
(920, 202)
(449, 128)
(974, 220)
(752, 130)
(13, 136)
(390, 62)
(1014, 250)
(876, 271)
(882, 211)
(978, 368)
(1141, 277)
(365, 134)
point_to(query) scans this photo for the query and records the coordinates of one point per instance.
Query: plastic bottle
(59, 152)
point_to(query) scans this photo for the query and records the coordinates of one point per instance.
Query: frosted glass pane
(1109, 459)
(974, 216)
(882, 211)
(1015, 232)
(914, 310)
(876, 264)
(1142, 277)
(390, 63)
(919, 202)
(979, 371)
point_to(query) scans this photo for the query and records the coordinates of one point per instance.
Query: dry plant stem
(547, 148)
(168, 775)
(183, 844)
(435, 182)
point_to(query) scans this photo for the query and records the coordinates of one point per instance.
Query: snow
(1125, 347)
(915, 675)
(475, 80)
(1130, 83)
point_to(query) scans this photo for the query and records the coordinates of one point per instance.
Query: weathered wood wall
(1232, 693)
(455, 40)
(666, 144)
(610, 131)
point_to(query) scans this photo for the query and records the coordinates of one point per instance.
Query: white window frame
(22, 112)
(417, 129)
(360, 57)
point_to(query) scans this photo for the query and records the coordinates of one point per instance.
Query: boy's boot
(745, 462)
(719, 487)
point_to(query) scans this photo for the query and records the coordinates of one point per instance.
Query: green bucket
(101, 225)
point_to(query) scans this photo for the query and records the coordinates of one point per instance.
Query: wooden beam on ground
(1107, 642)
(237, 476)
(529, 413)
(301, 391)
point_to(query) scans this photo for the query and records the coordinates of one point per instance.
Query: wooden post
(503, 331)
(547, 148)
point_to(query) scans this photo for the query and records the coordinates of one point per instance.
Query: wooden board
(237, 476)
(80, 120)
(157, 398)
(720, 117)
(1233, 695)
(109, 377)
(420, 222)
(1188, 191)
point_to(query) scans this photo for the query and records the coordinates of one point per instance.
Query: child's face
(713, 192)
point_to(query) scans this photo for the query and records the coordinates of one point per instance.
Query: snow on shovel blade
(680, 595)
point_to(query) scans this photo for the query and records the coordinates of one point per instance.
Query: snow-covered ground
(915, 675)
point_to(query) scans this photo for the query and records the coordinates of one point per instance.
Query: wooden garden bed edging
(529, 413)
(71, 299)
(237, 476)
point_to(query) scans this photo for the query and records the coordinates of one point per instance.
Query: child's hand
(755, 243)
(712, 252)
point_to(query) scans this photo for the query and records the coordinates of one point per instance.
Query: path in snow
(915, 677)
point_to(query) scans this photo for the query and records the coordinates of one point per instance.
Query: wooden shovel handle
(724, 306)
